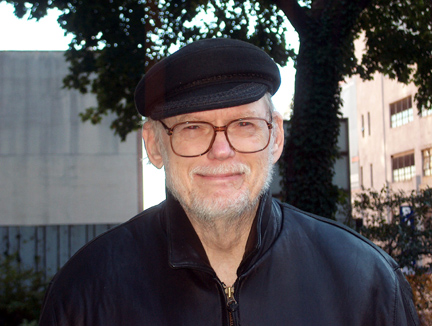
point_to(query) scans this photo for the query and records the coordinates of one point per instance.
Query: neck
(224, 240)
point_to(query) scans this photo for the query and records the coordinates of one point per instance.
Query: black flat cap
(205, 75)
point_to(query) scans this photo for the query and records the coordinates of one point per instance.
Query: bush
(21, 293)
(422, 292)
(401, 224)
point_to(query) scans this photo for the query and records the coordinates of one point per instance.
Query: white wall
(54, 169)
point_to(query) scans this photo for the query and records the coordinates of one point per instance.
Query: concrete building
(54, 169)
(395, 142)
(392, 142)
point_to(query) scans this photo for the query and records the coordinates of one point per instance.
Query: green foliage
(399, 44)
(398, 35)
(410, 244)
(115, 42)
(21, 293)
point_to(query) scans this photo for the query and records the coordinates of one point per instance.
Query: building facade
(54, 169)
(394, 142)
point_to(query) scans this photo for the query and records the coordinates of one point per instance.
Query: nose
(221, 149)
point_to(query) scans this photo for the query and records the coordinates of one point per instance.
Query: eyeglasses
(196, 138)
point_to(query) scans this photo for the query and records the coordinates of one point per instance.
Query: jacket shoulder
(339, 252)
(332, 232)
(100, 264)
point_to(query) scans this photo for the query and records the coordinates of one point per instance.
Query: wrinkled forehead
(258, 109)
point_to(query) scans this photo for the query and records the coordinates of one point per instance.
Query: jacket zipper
(232, 305)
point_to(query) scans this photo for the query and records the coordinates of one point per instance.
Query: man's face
(221, 183)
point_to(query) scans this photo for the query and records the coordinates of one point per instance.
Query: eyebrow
(188, 117)
(248, 114)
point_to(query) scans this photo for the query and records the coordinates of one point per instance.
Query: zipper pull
(232, 305)
(229, 292)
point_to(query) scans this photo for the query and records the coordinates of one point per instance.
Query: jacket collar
(186, 250)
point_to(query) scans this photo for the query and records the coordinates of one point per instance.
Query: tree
(398, 36)
(116, 41)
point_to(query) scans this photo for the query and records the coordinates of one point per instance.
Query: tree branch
(297, 15)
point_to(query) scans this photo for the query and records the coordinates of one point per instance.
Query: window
(403, 167)
(361, 177)
(427, 162)
(371, 175)
(426, 112)
(362, 125)
(369, 124)
(401, 112)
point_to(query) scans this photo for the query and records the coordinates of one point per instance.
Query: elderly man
(220, 250)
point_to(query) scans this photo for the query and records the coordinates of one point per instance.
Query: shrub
(21, 293)
(401, 224)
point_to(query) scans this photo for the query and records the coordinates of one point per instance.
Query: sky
(27, 35)
(47, 35)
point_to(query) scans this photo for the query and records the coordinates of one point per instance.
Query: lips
(221, 177)
(227, 176)
(221, 171)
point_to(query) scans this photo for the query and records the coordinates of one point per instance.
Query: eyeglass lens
(244, 135)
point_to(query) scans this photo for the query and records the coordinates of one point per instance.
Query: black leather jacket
(298, 269)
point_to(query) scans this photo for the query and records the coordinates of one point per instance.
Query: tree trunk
(307, 165)
(310, 149)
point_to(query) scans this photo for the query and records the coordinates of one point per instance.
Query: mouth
(223, 176)
(223, 173)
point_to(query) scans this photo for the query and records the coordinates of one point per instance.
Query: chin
(222, 205)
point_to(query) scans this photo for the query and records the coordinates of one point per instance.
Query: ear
(152, 145)
(280, 137)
